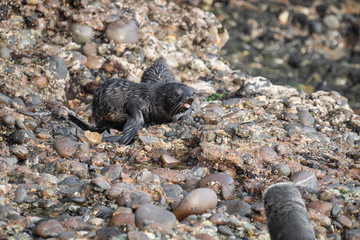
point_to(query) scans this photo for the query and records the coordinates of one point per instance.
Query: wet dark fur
(128, 106)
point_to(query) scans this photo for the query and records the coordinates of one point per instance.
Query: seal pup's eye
(178, 93)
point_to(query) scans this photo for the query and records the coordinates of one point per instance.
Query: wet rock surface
(203, 176)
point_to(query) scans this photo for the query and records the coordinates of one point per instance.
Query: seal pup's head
(177, 97)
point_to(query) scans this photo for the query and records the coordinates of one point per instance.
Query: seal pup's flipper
(158, 73)
(134, 123)
(85, 126)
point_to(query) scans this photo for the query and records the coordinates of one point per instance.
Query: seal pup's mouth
(188, 103)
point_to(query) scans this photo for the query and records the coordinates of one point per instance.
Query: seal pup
(128, 106)
(286, 213)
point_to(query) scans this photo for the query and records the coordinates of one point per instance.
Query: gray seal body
(286, 214)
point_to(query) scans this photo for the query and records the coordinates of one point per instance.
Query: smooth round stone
(316, 26)
(8, 120)
(172, 191)
(321, 206)
(305, 179)
(148, 215)
(20, 151)
(119, 188)
(22, 135)
(226, 181)
(331, 22)
(66, 148)
(344, 221)
(40, 81)
(267, 152)
(94, 62)
(44, 135)
(280, 170)
(48, 228)
(219, 219)
(67, 235)
(306, 118)
(123, 31)
(81, 33)
(335, 211)
(90, 49)
(225, 230)
(20, 195)
(237, 208)
(4, 52)
(196, 202)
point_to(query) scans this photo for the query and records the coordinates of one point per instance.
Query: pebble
(280, 170)
(236, 207)
(267, 152)
(121, 219)
(305, 179)
(4, 52)
(172, 191)
(352, 234)
(344, 221)
(40, 81)
(100, 183)
(8, 120)
(93, 137)
(204, 236)
(57, 67)
(322, 219)
(90, 49)
(331, 22)
(122, 31)
(20, 151)
(335, 211)
(111, 172)
(20, 195)
(306, 118)
(226, 181)
(107, 233)
(225, 230)
(134, 199)
(321, 206)
(196, 202)
(66, 148)
(5, 100)
(135, 235)
(48, 228)
(22, 136)
(168, 161)
(151, 216)
(81, 33)
(219, 219)
(174, 176)
(95, 62)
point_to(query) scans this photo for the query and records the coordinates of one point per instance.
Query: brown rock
(321, 206)
(169, 161)
(122, 219)
(196, 202)
(173, 176)
(49, 228)
(40, 81)
(90, 49)
(344, 221)
(95, 62)
(135, 235)
(204, 236)
(93, 137)
(225, 180)
(323, 220)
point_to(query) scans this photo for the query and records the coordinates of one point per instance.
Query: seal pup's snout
(188, 101)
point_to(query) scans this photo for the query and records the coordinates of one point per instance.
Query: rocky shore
(202, 177)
